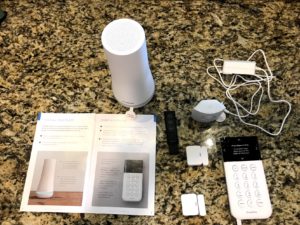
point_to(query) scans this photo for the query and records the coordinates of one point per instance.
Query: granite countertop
(52, 60)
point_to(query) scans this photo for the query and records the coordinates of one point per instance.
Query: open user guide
(92, 163)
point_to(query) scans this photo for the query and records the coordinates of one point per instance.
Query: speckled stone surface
(52, 60)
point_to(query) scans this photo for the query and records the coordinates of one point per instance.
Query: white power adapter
(244, 73)
(239, 67)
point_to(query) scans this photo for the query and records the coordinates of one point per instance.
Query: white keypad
(247, 189)
(245, 178)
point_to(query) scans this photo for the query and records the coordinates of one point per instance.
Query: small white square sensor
(197, 155)
(189, 204)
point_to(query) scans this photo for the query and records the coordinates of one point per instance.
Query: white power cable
(238, 81)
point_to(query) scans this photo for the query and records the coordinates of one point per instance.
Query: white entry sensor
(189, 205)
(209, 110)
(193, 205)
(196, 155)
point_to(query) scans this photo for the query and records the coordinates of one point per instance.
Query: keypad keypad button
(235, 176)
(250, 203)
(241, 203)
(244, 167)
(235, 168)
(252, 167)
(255, 184)
(237, 185)
(259, 203)
(257, 193)
(239, 194)
(246, 184)
(248, 194)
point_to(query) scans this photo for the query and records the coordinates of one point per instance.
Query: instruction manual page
(92, 163)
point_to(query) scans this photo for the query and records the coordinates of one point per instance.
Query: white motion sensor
(208, 111)
(46, 185)
(124, 45)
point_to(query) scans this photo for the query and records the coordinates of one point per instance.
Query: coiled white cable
(247, 80)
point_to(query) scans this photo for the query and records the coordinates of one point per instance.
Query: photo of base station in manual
(58, 178)
(122, 180)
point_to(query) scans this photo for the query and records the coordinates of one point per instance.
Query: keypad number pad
(247, 188)
(246, 185)
(132, 187)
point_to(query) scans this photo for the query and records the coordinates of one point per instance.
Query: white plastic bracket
(130, 113)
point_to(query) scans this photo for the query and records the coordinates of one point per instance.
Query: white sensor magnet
(201, 205)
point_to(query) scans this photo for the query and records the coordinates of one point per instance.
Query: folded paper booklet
(92, 163)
